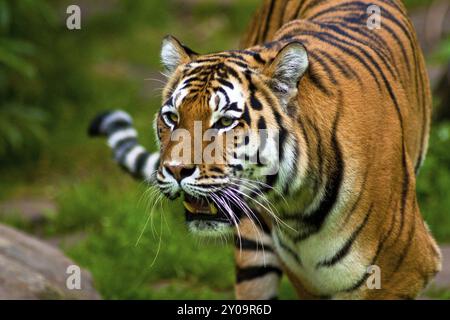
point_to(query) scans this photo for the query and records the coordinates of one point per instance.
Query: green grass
(433, 183)
(135, 252)
(438, 294)
(164, 262)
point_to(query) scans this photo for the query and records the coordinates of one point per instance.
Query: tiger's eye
(226, 122)
(173, 117)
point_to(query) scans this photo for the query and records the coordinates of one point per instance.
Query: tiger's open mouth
(204, 210)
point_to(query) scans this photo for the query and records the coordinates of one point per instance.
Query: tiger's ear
(288, 67)
(173, 53)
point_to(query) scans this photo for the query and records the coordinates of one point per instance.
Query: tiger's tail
(117, 127)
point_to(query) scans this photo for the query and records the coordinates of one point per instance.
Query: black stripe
(185, 85)
(310, 5)
(409, 240)
(390, 31)
(121, 151)
(140, 161)
(261, 223)
(251, 273)
(333, 9)
(94, 129)
(379, 53)
(254, 55)
(263, 137)
(250, 245)
(316, 218)
(118, 125)
(293, 170)
(381, 43)
(125, 141)
(222, 90)
(319, 152)
(283, 134)
(363, 6)
(193, 71)
(216, 169)
(324, 66)
(267, 21)
(349, 213)
(315, 80)
(237, 167)
(210, 59)
(388, 233)
(291, 252)
(171, 89)
(255, 103)
(358, 283)
(232, 54)
(262, 123)
(366, 274)
(231, 72)
(225, 83)
(297, 10)
(239, 64)
(345, 250)
(232, 107)
(393, 5)
(246, 115)
(336, 42)
(342, 65)
(271, 179)
(380, 247)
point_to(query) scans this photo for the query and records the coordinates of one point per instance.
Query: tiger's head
(222, 129)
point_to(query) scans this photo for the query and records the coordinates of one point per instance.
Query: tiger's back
(387, 53)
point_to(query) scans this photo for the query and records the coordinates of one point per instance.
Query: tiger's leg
(258, 269)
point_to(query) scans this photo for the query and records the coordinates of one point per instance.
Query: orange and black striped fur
(352, 106)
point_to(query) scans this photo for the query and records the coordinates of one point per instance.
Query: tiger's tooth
(213, 208)
(189, 207)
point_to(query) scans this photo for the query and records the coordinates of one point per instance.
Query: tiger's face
(218, 130)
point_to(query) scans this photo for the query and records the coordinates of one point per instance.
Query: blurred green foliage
(434, 182)
(20, 120)
(416, 3)
(442, 54)
(32, 85)
(52, 81)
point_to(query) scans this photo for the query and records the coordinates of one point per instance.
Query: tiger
(351, 107)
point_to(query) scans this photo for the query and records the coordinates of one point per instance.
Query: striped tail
(117, 126)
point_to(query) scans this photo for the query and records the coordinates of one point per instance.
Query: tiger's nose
(180, 171)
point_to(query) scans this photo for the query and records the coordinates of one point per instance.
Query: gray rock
(32, 269)
(441, 283)
(442, 279)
